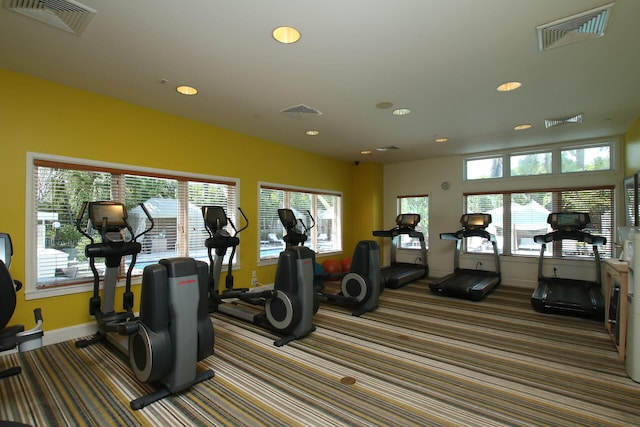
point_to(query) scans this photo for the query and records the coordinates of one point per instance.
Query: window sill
(56, 291)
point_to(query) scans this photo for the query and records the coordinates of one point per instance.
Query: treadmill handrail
(398, 231)
(596, 255)
(464, 233)
(577, 235)
(449, 236)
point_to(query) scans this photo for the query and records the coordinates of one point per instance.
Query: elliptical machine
(286, 309)
(173, 331)
(14, 336)
(360, 288)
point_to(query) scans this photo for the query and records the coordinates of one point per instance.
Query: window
(485, 168)
(530, 164)
(579, 158)
(60, 186)
(417, 205)
(596, 158)
(325, 209)
(518, 216)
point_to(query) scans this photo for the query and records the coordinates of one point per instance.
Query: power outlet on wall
(254, 279)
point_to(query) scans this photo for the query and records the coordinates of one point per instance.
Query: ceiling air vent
(387, 148)
(549, 123)
(583, 26)
(66, 15)
(300, 112)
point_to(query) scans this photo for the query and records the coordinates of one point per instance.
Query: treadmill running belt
(568, 296)
(465, 283)
(400, 274)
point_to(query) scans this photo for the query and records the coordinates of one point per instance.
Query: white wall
(446, 207)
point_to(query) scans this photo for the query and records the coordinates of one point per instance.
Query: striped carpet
(419, 359)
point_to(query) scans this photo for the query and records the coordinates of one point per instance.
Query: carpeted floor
(419, 359)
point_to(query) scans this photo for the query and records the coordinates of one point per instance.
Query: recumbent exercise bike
(173, 331)
(14, 336)
(286, 309)
(360, 288)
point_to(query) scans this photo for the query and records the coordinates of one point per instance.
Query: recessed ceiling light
(440, 140)
(522, 126)
(401, 112)
(187, 90)
(509, 86)
(312, 132)
(286, 35)
(365, 152)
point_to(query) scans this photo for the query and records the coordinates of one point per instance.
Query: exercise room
(356, 213)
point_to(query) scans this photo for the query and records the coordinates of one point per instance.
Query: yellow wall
(43, 117)
(368, 200)
(632, 149)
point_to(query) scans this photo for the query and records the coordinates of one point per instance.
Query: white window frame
(31, 292)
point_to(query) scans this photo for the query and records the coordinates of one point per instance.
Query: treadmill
(398, 274)
(469, 283)
(573, 297)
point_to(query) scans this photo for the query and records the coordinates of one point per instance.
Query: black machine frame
(286, 309)
(569, 296)
(360, 287)
(398, 274)
(473, 284)
(173, 330)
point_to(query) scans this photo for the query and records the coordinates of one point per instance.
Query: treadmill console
(408, 220)
(475, 221)
(568, 220)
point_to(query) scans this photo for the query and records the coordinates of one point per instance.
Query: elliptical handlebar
(313, 222)
(79, 219)
(246, 223)
(150, 218)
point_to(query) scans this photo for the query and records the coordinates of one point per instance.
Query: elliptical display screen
(109, 214)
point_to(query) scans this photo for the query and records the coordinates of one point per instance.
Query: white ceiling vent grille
(66, 15)
(387, 148)
(549, 123)
(583, 26)
(300, 112)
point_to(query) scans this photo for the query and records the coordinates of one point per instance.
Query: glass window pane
(491, 204)
(324, 224)
(530, 164)
(586, 159)
(160, 199)
(598, 203)
(209, 194)
(418, 205)
(59, 195)
(484, 168)
(271, 230)
(529, 213)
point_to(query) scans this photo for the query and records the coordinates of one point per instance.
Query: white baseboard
(63, 334)
(72, 332)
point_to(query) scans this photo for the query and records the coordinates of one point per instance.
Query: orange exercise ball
(331, 267)
(345, 263)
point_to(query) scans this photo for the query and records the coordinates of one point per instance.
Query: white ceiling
(443, 59)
